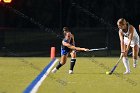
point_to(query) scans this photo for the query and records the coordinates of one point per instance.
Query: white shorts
(135, 41)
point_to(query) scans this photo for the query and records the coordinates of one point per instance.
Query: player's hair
(65, 30)
(121, 21)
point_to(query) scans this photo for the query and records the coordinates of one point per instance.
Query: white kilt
(135, 41)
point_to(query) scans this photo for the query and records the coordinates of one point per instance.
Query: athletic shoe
(134, 64)
(70, 72)
(54, 70)
(126, 73)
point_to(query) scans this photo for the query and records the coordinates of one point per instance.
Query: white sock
(126, 64)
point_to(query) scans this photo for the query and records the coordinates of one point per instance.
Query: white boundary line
(36, 83)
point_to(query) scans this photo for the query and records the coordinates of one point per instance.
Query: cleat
(54, 70)
(126, 73)
(70, 72)
(134, 64)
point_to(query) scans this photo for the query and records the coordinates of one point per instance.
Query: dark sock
(72, 63)
(59, 65)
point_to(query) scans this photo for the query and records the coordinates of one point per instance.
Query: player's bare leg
(135, 55)
(139, 27)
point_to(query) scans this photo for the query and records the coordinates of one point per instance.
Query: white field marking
(36, 87)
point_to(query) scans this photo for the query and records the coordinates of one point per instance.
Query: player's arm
(130, 37)
(121, 41)
(73, 47)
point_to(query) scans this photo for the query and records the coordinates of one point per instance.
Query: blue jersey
(64, 49)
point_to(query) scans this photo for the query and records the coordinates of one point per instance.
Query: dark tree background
(89, 20)
(57, 13)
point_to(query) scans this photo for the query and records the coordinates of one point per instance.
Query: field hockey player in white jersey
(128, 38)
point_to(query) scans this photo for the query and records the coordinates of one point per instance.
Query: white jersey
(135, 38)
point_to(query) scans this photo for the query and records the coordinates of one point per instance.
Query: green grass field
(89, 76)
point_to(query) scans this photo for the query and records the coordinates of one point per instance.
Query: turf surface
(89, 76)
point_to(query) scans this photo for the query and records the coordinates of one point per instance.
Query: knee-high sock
(126, 64)
(59, 65)
(72, 63)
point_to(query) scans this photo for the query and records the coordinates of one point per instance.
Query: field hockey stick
(97, 49)
(113, 69)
